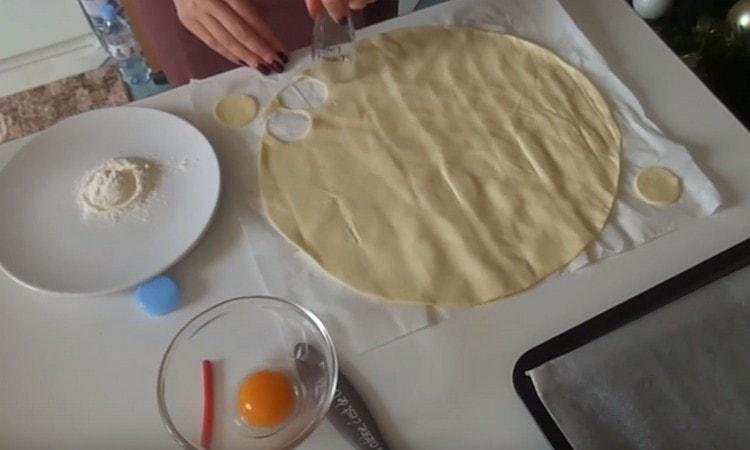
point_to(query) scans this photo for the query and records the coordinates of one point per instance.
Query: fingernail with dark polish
(283, 57)
(262, 68)
(277, 67)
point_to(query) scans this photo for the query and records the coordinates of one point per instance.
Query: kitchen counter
(80, 373)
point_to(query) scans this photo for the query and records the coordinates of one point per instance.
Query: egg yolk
(265, 399)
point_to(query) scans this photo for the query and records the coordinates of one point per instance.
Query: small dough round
(658, 186)
(236, 110)
(289, 126)
(305, 93)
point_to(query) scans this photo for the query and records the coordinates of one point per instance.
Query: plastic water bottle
(92, 9)
(122, 46)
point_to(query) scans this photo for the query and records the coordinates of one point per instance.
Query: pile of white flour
(117, 187)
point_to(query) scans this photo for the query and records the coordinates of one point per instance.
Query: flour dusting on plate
(118, 187)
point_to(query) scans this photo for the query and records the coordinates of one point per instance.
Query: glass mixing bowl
(241, 336)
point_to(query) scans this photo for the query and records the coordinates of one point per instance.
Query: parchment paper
(363, 323)
(678, 378)
(355, 322)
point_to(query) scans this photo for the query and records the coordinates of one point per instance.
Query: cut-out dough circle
(455, 167)
(658, 186)
(304, 93)
(236, 110)
(287, 125)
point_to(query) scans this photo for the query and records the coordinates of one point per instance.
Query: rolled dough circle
(236, 110)
(303, 93)
(658, 186)
(288, 125)
(449, 166)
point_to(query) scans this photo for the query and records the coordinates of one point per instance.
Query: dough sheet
(448, 166)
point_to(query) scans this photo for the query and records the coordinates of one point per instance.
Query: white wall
(42, 41)
(27, 25)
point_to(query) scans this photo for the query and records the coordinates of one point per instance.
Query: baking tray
(641, 305)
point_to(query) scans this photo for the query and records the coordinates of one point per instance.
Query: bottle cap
(107, 12)
(158, 296)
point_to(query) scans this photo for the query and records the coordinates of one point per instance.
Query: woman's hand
(234, 29)
(338, 9)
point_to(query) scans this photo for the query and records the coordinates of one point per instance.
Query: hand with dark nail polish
(233, 28)
(277, 67)
(337, 9)
(237, 30)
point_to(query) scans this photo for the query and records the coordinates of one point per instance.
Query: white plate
(46, 245)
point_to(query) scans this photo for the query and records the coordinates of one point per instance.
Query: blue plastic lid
(107, 12)
(158, 296)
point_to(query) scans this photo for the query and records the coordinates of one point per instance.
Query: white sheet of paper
(359, 324)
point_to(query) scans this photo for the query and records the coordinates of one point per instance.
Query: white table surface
(80, 373)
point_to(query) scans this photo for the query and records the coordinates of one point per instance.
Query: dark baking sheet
(551, 357)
